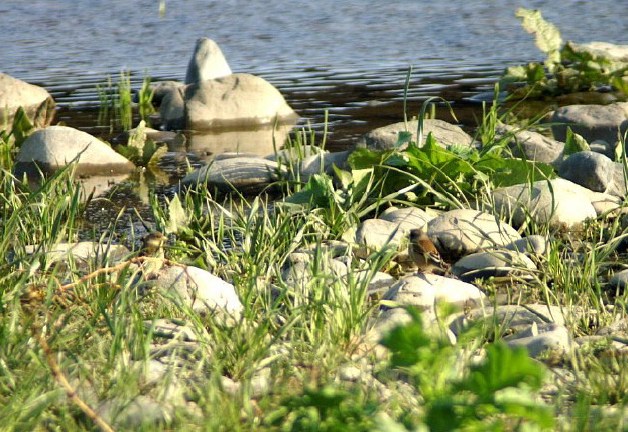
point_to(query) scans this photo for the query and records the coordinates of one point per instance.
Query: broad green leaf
(404, 137)
(177, 218)
(574, 143)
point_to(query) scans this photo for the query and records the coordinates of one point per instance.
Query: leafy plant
(140, 149)
(495, 394)
(565, 69)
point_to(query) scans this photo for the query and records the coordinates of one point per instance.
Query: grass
(70, 335)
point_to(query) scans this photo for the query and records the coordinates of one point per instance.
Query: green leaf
(405, 341)
(177, 218)
(574, 143)
(22, 127)
(404, 137)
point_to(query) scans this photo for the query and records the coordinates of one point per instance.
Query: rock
(460, 232)
(172, 108)
(406, 218)
(206, 63)
(200, 290)
(509, 319)
(379, 284)
(236, 100)
(54, 147)
(83, 254)
(36, 101)
(141, 411)
(426, 289)
(493, 263)
(558, 202)
(619, 279)
(445, 134)
(244, 174)
(377, 234)
(602, 147)
(171, 329)
(594, 171)
(606, 50)
(542, 339)
(161, 89)
(534, 244)
(301, 269)
(323, 162)
(593, 122)
(531, 145)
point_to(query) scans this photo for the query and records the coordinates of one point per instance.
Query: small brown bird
(424, 254)
(152, 245)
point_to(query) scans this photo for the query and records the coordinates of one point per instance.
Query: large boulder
(234, 101)
(593, 122)
(206, 63)
(54, 147)
(36, 101)
(445, 134)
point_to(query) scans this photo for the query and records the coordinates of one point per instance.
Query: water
(348, 58)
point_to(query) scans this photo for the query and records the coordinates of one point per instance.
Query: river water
(347, 58)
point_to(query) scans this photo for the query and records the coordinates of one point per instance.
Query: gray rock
(460, 232)
(55, 147)
(206, 63)
(379, 284)
(496, 263)
(323, 163)
(602, 147)
(534, 244)
(171, 329)
(619, 279)
(377, 234)
(141, 411)
(245, 174)
(593, 122)
(558, 202)
(541, 339)
(594, 171)
(172, 107)
(36, 101)
(445, 134)
(531, 145)
(161, 89)
(236, 100)
(200, 290)
(299, 270)
(407, 218)
(509, 319)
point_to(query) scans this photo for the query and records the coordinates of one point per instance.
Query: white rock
(559, 203)
(541, 338)
(54, 147)
(593, 122)
(200, 290)
(36, 101)
(377, 234)
(445, 134)
(407, 218)
(493, 263)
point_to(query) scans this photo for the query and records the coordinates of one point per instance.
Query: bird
(424, 254)
(152, 245)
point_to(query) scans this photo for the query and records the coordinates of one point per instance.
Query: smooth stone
(509, 318)
(244, 174)
(619, 279)
(386, 137)
(84, 252)
(493, 263)
(379, 284)
(141, 411)
(602, 147)
(531, 145)
(564, 205)
(171, 329)
(54, 147)
(323, 163)
(161, 89)
(593, 122)
(377, 234)
(426, 289)
(406, 218)
(36, 101)
(534, 244)
(299, 270)
(206, 63)
(594, 171)
(539, 339)
(200, 290)
(463, 231)
(236, 100)
(172, 107)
